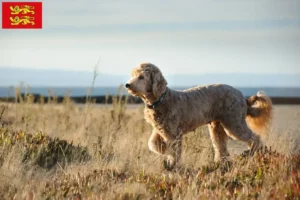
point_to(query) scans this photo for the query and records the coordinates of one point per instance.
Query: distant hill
(32, 77)
(56, 78)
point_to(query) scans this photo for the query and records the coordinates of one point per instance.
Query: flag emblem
(19, 15)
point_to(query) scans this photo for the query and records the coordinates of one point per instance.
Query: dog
(174, 113)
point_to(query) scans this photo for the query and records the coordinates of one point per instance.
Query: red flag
(19, 15)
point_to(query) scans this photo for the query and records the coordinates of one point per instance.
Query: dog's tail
(259, 113)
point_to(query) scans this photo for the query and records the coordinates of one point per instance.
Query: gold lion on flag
(23, 20)
(24, 9)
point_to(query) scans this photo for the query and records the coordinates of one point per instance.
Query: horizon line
(174, 74)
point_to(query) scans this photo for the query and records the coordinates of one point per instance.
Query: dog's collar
(155, 104)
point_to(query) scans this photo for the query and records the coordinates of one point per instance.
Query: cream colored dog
(174, 113)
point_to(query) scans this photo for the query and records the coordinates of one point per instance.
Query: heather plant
(91, 151)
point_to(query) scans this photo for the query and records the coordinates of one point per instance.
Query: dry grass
(68, 151)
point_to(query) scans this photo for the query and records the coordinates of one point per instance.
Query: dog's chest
(158, 119)
(154, 117)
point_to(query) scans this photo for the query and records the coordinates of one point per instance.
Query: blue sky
(181, 37)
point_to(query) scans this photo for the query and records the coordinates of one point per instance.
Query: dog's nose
(127, 85)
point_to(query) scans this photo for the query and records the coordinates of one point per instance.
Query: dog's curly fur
(222, 107)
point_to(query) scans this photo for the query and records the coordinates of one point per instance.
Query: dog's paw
(221, 159)
(169, 163)
(246, 153)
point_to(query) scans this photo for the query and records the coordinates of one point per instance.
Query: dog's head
(146, 81)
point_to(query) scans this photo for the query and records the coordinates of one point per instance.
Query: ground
(51, 151)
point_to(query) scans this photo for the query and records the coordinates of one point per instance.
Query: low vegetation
(89, 151)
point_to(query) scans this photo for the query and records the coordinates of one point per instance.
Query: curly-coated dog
(174, 113)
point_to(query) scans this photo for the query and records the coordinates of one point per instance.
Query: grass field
(66, 151)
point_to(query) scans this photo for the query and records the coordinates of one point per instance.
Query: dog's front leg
(174, 148)
(156, 143)
(164, 144)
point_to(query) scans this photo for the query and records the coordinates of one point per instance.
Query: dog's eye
(141, 77)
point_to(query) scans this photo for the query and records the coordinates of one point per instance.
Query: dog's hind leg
(219, 140)
(238, 130)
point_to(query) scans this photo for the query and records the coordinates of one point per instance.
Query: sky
(180, 37)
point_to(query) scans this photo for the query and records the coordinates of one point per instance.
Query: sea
(102, 91)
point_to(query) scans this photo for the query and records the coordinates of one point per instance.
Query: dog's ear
(159, 83)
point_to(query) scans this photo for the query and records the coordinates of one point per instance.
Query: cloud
(179, 36)
(105, 13)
